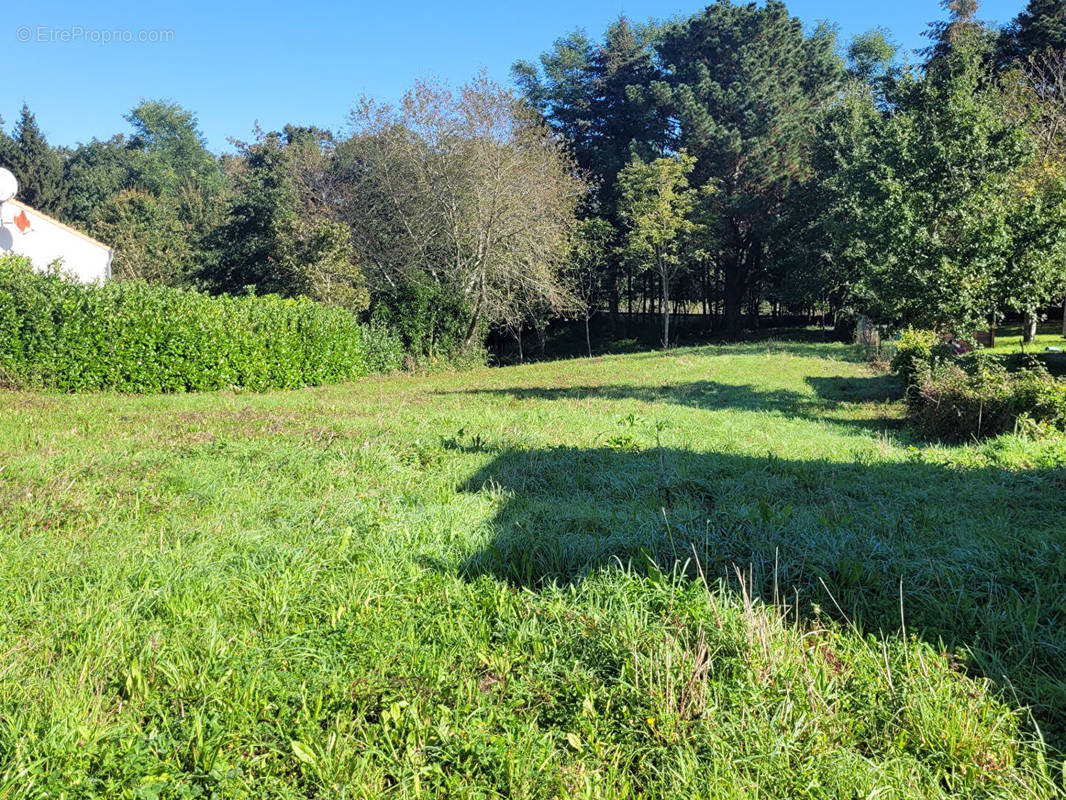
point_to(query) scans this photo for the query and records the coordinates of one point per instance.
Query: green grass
(718, 572)
(1009, 339)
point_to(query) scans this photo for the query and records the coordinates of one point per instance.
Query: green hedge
(137, 337)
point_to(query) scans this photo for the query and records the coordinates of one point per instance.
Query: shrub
(977, 396)
(137, 337)
(430, 320)
(916, 349)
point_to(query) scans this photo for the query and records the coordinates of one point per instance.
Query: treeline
(447, 214)
(742, 164)
(730, 164)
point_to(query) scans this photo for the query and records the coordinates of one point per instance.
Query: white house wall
(47, 240)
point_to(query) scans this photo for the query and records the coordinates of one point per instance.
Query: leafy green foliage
(871, 59)
(136, 337)
(595, 95)
(656, 207)
(276, 240)
(313, 257)
(978, 397)
(36, 164)
(430, 320)
(958, 398)
(146, 234)
(941, 212)
(466, 189)
(167, 151)
(587, 272)
(156, 196)
(94, 173)
(1040, 26)
(917, 350)
(746, 86)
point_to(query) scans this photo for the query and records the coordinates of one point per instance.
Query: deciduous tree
(466, 189)
(279, 239)
(149, 240)
(656, 206)
(958, 215)
(587, 268)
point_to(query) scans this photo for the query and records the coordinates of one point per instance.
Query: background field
(1009, 339)
(721, 571)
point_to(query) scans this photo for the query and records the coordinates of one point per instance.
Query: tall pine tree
(1042, 25)
(37, 166)
(597, 97)
(747, 87)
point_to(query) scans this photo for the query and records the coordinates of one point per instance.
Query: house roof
(57, 223)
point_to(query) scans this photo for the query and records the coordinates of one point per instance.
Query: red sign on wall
(22, 222)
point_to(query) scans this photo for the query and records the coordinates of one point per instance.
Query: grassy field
(718, 572)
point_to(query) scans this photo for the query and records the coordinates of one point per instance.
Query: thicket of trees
(731, 164)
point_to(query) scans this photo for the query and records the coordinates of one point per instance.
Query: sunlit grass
(665, 575)
(1009, 339)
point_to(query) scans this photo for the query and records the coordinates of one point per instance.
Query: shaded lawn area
(673, 575)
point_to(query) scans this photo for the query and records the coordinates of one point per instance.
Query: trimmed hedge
(137, 337)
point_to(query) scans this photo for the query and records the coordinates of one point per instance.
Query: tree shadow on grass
(830, 394)
(980, 553)
(696, 394)
(869, 389)
(814, 346)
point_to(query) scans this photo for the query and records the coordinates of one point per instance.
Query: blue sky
(235, 63)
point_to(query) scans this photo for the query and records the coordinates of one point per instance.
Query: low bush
(137, 337)
(978, 396)
(917, 349)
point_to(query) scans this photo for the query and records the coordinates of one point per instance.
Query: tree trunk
(612, 296)
(666, 308)
(736, 270)
(629, 295)
(588, 339)
(475, 320)
(521, 355)
(1064, 316)
(733, 295)
(1029, 327)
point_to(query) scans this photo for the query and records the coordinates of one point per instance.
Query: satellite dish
(9, 185)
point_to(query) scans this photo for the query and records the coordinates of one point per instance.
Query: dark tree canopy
(1042, 25)
(594, 95)
(747, 87)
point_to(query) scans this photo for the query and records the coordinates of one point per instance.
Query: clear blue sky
(234, 63)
